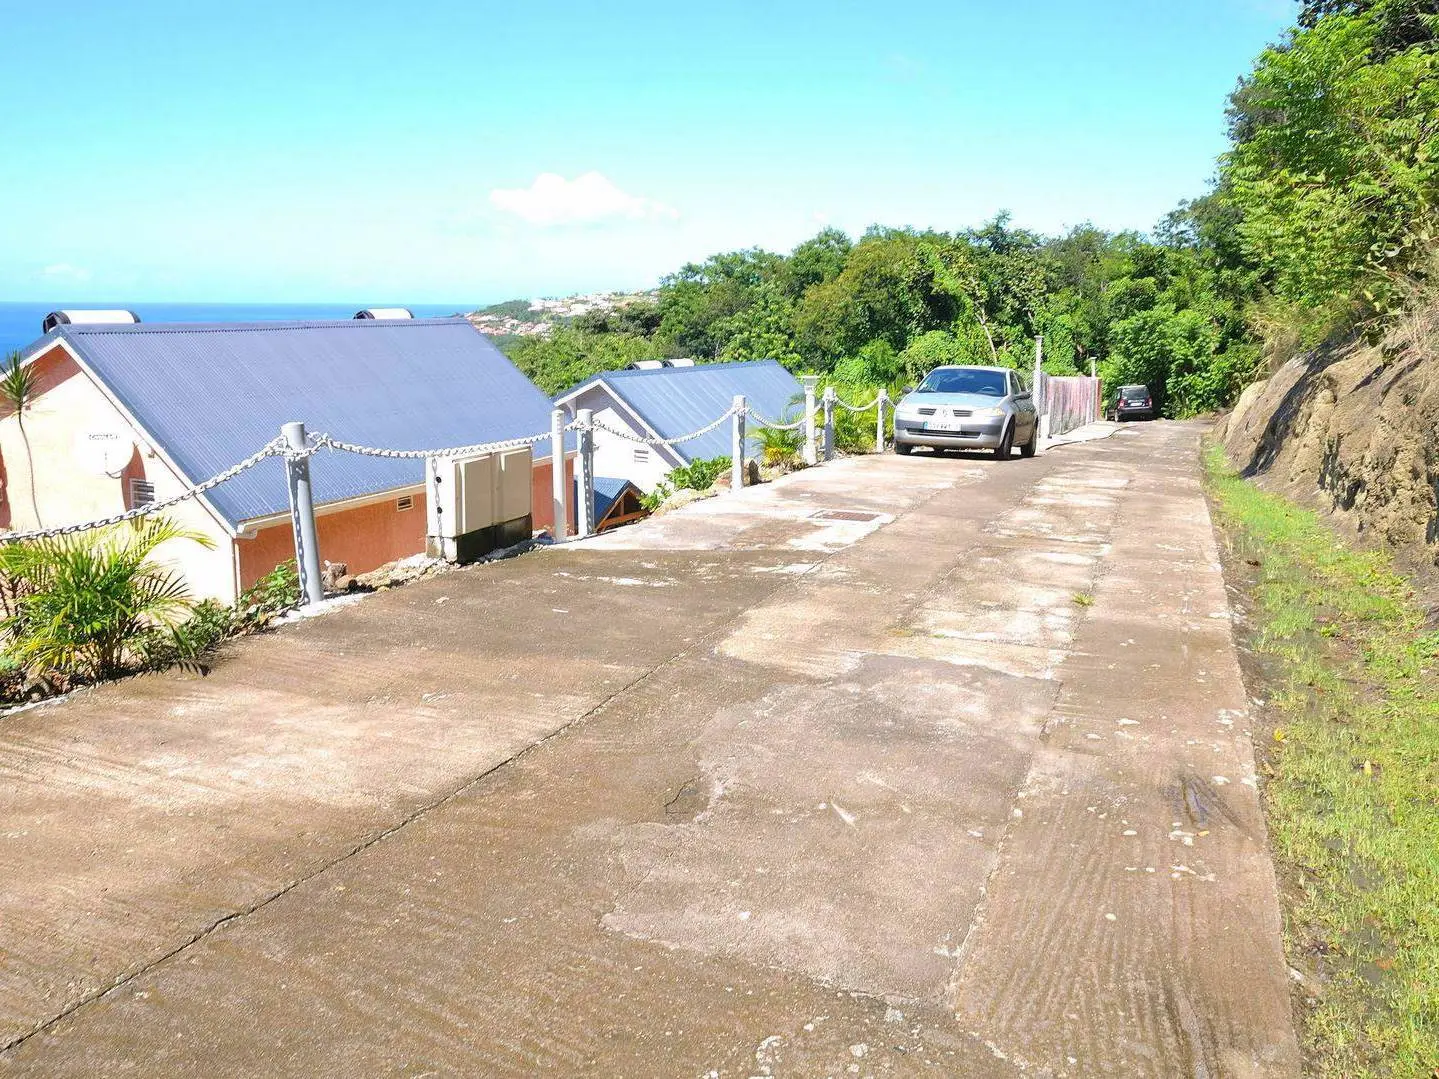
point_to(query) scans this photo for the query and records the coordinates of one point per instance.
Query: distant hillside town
(539, 317)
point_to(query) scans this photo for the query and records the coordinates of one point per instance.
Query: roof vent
(385, 312)
(88, 318)
(683, 361)
(647, 365)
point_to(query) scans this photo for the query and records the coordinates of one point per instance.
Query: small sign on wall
(103, 452)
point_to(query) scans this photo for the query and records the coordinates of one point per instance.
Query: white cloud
(63, 271)
(590, 197)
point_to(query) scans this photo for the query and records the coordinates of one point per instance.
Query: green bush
(94, 605)
(695, 476)
(779, 448)
(269, 597)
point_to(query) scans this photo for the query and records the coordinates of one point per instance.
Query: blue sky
(470, 152)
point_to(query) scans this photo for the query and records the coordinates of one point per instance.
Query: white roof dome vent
(385, 312)
(73, 317)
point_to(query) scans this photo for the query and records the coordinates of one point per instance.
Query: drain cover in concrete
(843, 515)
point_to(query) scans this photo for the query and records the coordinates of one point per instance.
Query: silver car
(962, 408)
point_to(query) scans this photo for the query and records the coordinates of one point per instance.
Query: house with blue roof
(127, 412)
(667, 401)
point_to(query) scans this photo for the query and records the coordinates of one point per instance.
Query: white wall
(615, 456)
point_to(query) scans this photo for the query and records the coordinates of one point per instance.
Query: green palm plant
(778, 447)
(17, 389)
(96, 605)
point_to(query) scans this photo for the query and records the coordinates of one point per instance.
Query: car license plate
(942, 423)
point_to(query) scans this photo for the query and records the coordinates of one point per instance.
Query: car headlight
(988, 413)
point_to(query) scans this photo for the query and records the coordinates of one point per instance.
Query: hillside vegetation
(1321, 208)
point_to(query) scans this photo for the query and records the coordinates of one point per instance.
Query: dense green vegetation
(1321, 210)
(1349, 782)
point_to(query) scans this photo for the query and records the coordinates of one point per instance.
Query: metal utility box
(477, 504)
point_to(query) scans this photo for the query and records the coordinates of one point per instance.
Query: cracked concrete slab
(733, 792)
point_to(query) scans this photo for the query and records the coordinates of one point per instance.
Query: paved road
(739, 791)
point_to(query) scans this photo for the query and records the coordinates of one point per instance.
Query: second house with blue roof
(666, 399)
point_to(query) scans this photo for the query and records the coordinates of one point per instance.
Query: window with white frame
(142, 492)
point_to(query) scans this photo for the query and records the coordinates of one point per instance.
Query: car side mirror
(908, 389)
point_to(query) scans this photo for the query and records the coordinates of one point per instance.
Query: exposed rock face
(1353, 432)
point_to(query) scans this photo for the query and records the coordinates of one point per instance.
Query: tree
(18, 389)
(1402, 24)
(1335, 167)
(696, 301)
(817, 260)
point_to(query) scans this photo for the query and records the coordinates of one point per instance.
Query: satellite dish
(104, 453)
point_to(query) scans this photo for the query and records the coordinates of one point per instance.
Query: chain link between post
(773, 425)
(274, 448)
(630, 437)
(324, 441)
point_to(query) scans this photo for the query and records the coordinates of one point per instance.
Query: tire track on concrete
(1118, 937)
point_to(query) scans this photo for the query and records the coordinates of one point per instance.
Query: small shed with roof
(669, 401)
(129, 413)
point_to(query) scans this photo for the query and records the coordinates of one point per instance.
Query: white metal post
(1038, 391)
(829, 423)
(879, 420)
(585, 501)
(1038, 388)
(1096, 404)
(557, 474)
(302, 516)
(811, 452)
(736, 475)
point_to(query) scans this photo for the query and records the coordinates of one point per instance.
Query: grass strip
(1351, 788)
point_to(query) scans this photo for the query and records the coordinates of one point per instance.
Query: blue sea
(20, 322)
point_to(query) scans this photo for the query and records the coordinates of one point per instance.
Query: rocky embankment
(1353, 432)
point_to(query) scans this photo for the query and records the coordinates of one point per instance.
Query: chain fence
(274, 448)
(774, 424)
(324, 441)
(317, 441)
(630, 436)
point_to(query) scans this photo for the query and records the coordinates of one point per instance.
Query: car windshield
(964, 380)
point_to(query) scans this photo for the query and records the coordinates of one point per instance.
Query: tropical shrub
(96, 605)
(272, 595)
(695, 476)
(779, 448)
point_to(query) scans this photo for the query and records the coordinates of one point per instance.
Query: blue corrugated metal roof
(212, 393)
(607, 490)
(678, 400)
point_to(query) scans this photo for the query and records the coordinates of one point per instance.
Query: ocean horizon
(20, 320)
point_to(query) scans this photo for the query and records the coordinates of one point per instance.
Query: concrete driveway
(922, 765)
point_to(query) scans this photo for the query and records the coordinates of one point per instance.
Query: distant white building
(654, 401)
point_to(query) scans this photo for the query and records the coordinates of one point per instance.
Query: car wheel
(904, 449)
(1030, 448)
(1006, 443)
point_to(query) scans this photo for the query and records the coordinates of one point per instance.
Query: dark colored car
(1135, 403)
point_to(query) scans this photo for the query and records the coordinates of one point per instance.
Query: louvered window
(142, 492)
